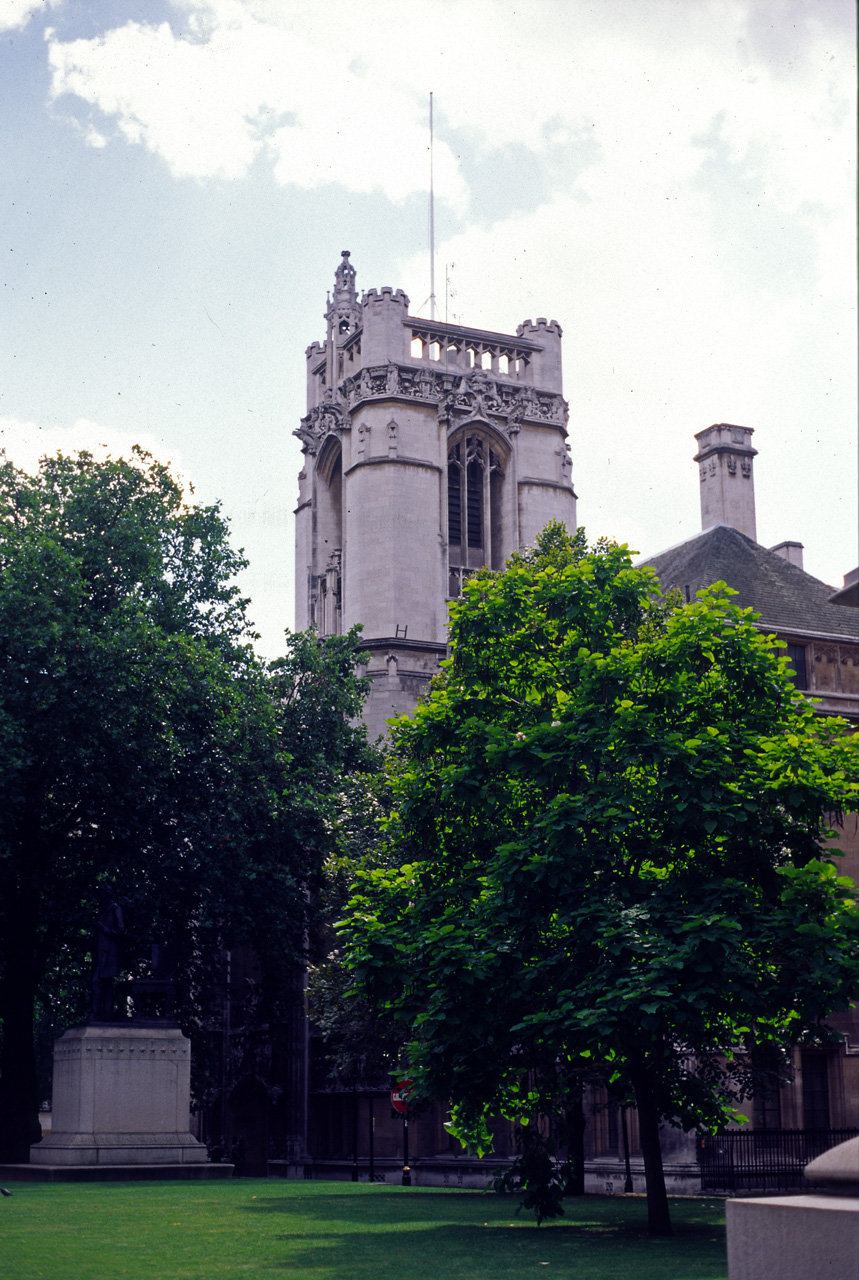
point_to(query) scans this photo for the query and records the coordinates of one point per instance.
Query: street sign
(400, 1096)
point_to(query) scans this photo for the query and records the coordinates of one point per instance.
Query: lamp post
(355, 1128)
(627, 1186)
(400, 1103)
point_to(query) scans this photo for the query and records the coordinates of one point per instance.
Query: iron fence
(763, 1160)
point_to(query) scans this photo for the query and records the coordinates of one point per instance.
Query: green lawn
(339, 1231)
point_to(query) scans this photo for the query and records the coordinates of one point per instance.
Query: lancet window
(474, 477)
(326, 591)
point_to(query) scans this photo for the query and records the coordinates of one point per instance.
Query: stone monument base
(113, 1172)
(793, 1238)
(801, 1237)
(121, 1099)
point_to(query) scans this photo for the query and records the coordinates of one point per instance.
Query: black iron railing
(763, 1160)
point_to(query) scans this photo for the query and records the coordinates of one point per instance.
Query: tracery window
(474, 478)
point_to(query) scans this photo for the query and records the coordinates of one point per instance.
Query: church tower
(430, 449)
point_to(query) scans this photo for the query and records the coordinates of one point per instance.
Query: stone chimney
(725, 456)
(790, 551)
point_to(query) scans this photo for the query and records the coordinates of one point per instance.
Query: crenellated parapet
(541, 325)
(385, 295)
(546, 365)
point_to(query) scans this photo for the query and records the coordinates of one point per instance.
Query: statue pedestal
(804, 1236)
(121, 1097)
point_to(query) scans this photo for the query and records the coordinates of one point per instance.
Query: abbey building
(430, 449)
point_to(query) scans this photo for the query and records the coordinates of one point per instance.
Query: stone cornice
(373, 643)
(384, 459)
(457, 397)
(547, 484)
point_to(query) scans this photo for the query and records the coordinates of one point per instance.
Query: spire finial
(343, 307)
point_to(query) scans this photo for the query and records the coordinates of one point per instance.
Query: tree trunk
(19, 1100)
(658, 1216)
(576, 1140)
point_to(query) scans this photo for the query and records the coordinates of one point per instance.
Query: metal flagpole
(432, 221)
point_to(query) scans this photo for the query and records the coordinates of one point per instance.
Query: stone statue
(106, 966)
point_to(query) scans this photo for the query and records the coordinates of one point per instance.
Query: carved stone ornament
(476, 396)
(458, 395)
(320, 422)
(479, 395)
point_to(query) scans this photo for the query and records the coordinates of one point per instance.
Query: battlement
(378, 331)
(541, 325)
(385, 294)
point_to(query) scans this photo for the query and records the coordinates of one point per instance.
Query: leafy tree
(615, 810)
(363, 1048)
(143, 744)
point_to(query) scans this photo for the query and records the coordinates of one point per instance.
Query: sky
(672, 180)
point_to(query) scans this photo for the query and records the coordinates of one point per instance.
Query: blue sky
(673, 180)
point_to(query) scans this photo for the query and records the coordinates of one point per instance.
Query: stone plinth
(801, 1237)
(121, 1097)
(793, 1238)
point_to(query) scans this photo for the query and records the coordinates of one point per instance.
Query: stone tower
(725, 455)
(430, 450)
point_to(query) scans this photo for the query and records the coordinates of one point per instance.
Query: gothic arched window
(326, 589)
(474, 476)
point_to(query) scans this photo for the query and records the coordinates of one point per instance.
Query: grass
(249, 1228)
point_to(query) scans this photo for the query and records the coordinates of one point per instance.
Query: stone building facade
(818, 631)
(430, 449)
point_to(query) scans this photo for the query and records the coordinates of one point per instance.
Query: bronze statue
(106, 964)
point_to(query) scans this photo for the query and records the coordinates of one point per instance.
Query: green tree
(616, 812)
(363, 1048)
(143, 744)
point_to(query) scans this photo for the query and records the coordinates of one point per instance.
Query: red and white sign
(400, 1095)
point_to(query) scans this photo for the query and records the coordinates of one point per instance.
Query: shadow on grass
(598, 1214)
(424, 1237)
(468, 1253)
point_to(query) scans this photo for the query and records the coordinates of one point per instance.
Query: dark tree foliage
(362, 1047)
(144, 745)
(614, 812)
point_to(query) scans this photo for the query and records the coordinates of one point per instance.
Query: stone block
(121, 1097)
(804, 1237)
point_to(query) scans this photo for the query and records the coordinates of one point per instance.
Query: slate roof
(786, 597)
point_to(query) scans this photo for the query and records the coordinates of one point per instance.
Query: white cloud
(25, 443)
(15, 14)
(693, 227)
(669, 327)
(338, 93)
(213, 98)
